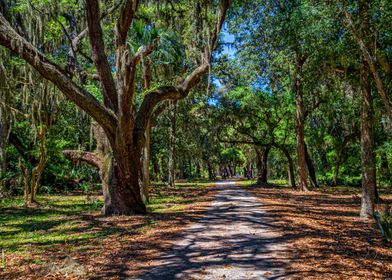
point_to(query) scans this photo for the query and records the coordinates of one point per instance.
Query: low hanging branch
(53, 72)
(90, 158)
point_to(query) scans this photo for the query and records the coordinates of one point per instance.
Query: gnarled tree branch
(180, 91)
(10, 39)
(90, 158)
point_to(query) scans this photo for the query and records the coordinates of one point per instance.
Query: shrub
(384, 222)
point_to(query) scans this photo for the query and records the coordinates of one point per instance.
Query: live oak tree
(259, 119)
(288, 48)
(374, 65)
(121, 124)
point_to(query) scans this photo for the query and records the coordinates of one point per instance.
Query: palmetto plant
(384, 221)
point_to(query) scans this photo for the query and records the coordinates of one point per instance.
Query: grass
(57, 219)
(277, 182)
(61, 219)
(62, 226)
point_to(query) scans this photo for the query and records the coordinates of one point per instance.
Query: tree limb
(145, 51)
(81, 156)
(10, 39)
(99, 56)
(231, 141)
(127, 12)
(180, 91)
(22, 150)
(76, 41)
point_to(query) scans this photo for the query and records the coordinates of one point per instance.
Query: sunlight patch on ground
(225, 183)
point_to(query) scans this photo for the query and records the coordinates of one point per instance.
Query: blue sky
(228, 38)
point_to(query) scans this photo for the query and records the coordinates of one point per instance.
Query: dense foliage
(294, 91)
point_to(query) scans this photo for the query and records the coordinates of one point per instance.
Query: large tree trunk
(262, 165)
(367, 140)
(311, 169)
(300, 128)
(121, 188)
(119, 175)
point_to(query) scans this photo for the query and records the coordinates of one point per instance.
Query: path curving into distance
(235, 239)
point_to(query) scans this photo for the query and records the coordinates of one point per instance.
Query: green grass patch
(56, 219)
(163, 203)
(61, 219)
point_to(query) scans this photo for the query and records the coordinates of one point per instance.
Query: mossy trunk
(120, 169)
(172, 144)
(121, 190)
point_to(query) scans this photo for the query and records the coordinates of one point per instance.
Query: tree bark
(172, 144)
(300, 127)
(262, 165)
(367, 138)
(211, 171)
(120, 189)
(311, 169)
(147, 145)
(37, 170)
(4, 135)
(146, 166)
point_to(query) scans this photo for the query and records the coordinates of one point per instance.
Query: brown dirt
(132, 242)
(323, 232)
(326, 236)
